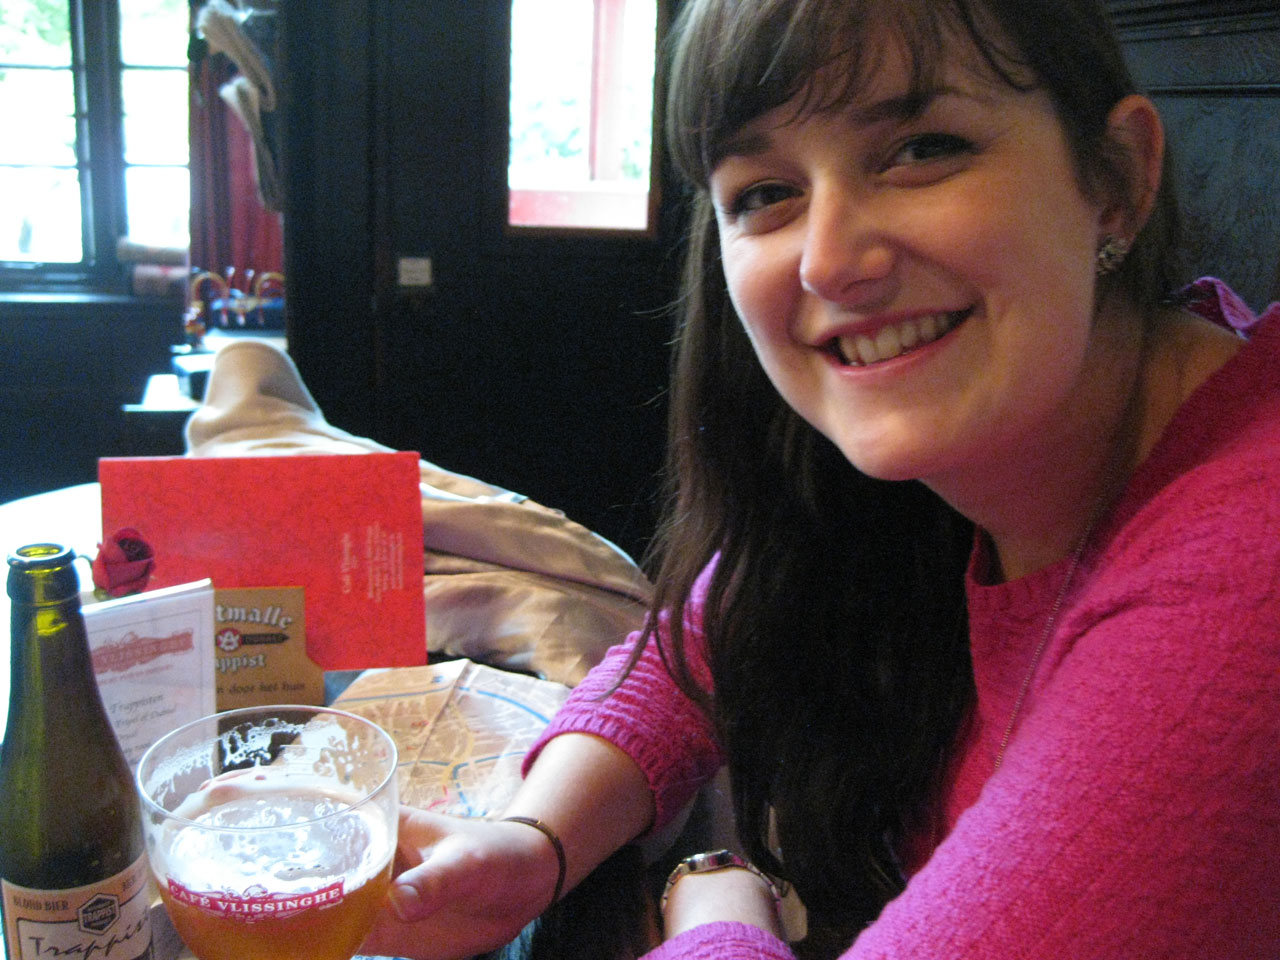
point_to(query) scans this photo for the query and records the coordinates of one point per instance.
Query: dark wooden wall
(67, 365)
(537, 363)
(1213, 68)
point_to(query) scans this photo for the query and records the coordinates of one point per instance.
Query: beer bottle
(73, 874)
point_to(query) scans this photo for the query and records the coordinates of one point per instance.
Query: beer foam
(268, 785)
(281, 840)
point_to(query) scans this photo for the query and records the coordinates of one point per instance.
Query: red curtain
(230, 227)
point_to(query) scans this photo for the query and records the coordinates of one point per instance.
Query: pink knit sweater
(1136, 813)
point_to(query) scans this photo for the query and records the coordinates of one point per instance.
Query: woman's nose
(845, 256)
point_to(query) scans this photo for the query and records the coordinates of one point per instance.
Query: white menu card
(152, 653)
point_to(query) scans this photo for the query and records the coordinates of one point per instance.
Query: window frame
(96, 71)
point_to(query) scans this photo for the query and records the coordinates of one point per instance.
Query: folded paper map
(462, 729)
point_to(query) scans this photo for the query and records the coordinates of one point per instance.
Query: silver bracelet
(709, 862)
(555, 845)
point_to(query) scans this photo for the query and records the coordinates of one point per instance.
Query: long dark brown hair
(835, 622)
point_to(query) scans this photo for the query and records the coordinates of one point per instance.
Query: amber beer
(271, 831)
(333, 932)
(316, 902)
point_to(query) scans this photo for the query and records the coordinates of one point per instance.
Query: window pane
(35, 32)
(155, 116)
(582, 83)
(40, 217)
(550, 91)
(36, 111)
(154, 32)
(158, 205)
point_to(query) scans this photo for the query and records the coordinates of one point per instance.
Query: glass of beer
(271, 831)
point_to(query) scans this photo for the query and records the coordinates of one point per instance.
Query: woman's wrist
(552, 838)
(718, 887)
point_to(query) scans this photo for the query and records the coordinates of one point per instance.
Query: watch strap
(710, 862)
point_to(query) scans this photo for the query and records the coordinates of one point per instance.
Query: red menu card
(347, 528)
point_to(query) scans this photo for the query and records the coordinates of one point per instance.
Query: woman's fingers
(461, 887)
(444, 872)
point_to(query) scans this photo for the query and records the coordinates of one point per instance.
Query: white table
(71, 516)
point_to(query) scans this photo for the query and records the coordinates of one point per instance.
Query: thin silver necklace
(1117, 445)
(1045, 633)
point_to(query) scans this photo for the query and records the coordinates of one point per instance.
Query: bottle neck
(52, 683)
(53, 695)
(41, 574)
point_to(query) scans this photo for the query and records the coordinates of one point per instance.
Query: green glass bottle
(73, 874)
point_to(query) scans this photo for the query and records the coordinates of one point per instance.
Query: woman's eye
(759, 196)
(929, 146)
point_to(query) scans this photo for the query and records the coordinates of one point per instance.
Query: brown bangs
(739, 59)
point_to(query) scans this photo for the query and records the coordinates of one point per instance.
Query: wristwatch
(710, 862)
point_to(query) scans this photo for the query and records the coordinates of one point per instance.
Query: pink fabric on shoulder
(1215, 301)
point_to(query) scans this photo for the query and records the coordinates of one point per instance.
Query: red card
(345, 528)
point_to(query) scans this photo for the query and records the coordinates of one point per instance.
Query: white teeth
(866, 349)
(888, 343)
(892, 341)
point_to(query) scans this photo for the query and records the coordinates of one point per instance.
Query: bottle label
(109, 919)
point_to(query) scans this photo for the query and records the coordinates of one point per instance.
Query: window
(582, 89)
(93, 99)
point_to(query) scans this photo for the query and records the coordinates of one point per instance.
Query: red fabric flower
(123, 564)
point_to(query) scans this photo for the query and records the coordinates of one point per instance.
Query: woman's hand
(461, 887)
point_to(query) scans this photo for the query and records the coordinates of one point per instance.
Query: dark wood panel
(1214, 70)
(66, 367)
(1187, 16)
(538, 363)
(328, 95)
(1220, 62)
(1228, 172)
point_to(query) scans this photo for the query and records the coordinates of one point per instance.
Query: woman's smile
(894, 339)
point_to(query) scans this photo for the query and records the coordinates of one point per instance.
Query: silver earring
(1111, 254)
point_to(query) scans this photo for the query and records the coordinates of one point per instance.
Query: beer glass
(271, 831)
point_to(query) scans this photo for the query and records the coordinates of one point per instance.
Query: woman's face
(917, 278)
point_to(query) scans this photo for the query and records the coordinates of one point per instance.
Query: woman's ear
(1135, 128)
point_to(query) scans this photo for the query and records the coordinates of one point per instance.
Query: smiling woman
(970, 565)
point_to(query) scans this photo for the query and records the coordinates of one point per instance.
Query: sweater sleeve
(669, 737)
(717, 941)
(1137, 811)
